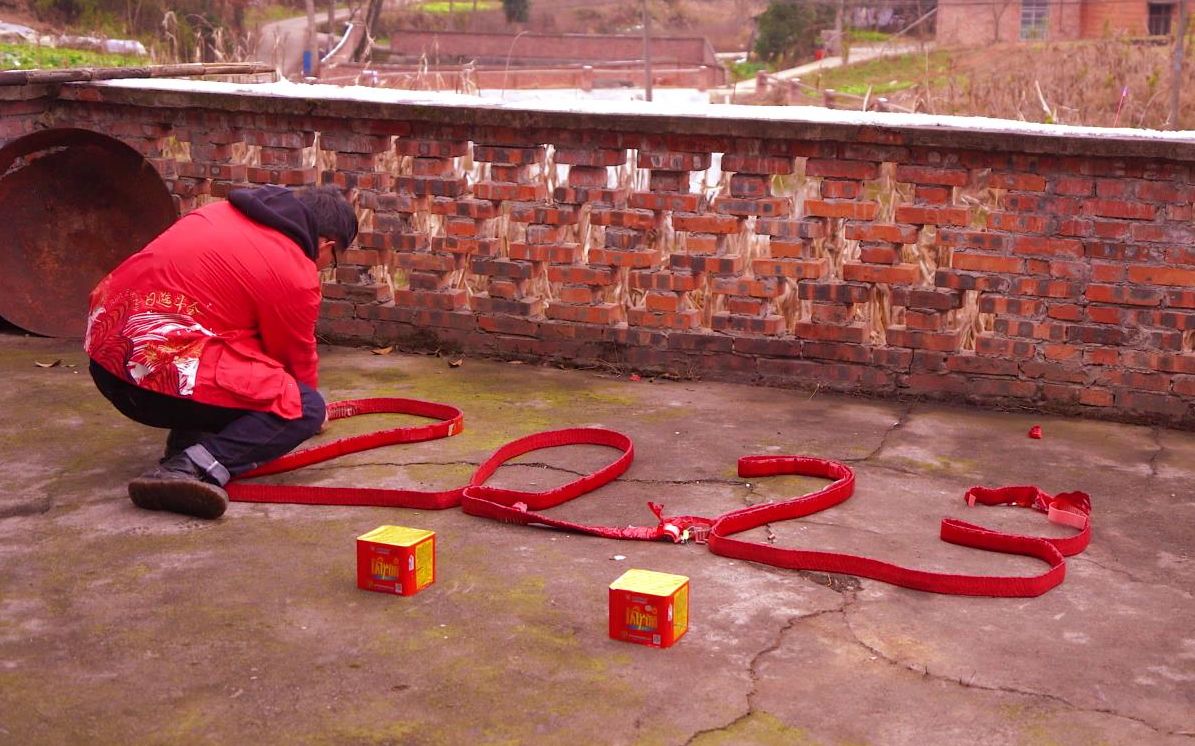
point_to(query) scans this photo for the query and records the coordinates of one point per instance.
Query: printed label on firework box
(649, 608)
(396, 559)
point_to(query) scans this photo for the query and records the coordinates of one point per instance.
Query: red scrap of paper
(634, 377)
(1035, 432)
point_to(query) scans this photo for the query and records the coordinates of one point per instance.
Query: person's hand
(324, 427)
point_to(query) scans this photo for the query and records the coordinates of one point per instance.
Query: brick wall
(1055, 271)
(523, 49)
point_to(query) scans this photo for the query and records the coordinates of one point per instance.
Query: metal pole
(1176, 66)
(312, 41)
(646, 52)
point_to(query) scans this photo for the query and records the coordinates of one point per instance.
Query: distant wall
(1032, 269)
(522, 49)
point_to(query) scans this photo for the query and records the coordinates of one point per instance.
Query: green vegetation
(28, 57)
(745, 70)
(516, 11)
(883, 76)
(788, 31)
(866, 36)
(457, 6)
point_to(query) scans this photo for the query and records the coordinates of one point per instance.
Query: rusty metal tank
(73, 204)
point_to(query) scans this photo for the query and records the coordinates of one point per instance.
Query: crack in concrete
(1156, 432)
(753, 672)
(901, 420)
(970, 683)
(1116, 570)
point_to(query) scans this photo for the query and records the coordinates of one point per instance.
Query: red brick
(707, 223)
(530, 212)
(1048, 288)
(801, 269)
(421, 262)
(684, 320)
(722, 265)
(937, 341)
(583, 294)
(807, 228)
(768, 325)
(900, 274)
(855, 333)
(842, 169)
(931, 215)
(927, 298)
(585, 176)
(499, 192)
(581, 275)
(668, 202)
(1162, 275)
(841, 209)
(750, 185)
(1016, 349)
(763, 288)
(504, 268)
(1018, 222)
(890, 233)
(931, 321)
(1019, 182)
(617, 258)
(837, 189)
(657, 302)
(446, 300)
(932, 195)
(506, 156)
(430, 186)
(431, 148)
(672, 161)
(438, 167)
(605, 313)
(1124, 295)
(634, 219)
(1108, 208)
(877, 253)
(737, 304)
(761, 207)
(752, 164)
(931, 175)
(980, 240)
(831, 313)
(834, 292)
(987, 263)
(599, 157)
(790, 249)
(508, 325)
(664, 280)
(1038, 246)
(999, 304)
(569, 253)
(982, 365)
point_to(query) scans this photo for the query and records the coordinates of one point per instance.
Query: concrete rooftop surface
(121, 626)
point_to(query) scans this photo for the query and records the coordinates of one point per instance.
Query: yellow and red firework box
(396, 559)
(649, 608)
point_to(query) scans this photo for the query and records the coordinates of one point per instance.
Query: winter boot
(190, 483)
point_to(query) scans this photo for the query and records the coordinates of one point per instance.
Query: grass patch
(457, 6)
(257, 15)
(746, 70)
(867, 36)
(886, 75)
(30, 57)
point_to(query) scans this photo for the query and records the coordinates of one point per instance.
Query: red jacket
(219, 309)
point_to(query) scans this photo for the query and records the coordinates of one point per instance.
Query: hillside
(1105, 83)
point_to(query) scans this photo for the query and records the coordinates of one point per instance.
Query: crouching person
(209, 332)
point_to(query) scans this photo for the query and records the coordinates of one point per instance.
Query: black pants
(239, 439)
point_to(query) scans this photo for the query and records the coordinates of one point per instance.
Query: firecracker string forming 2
(522, 507)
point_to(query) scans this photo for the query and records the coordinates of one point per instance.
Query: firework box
(396, 559)
(649, 608)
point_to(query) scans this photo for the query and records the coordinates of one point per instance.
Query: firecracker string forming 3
(719, 533)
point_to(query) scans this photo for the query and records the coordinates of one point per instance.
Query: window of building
(1159, 18)
(1035, 18)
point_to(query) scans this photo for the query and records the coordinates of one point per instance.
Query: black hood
(278, 208)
